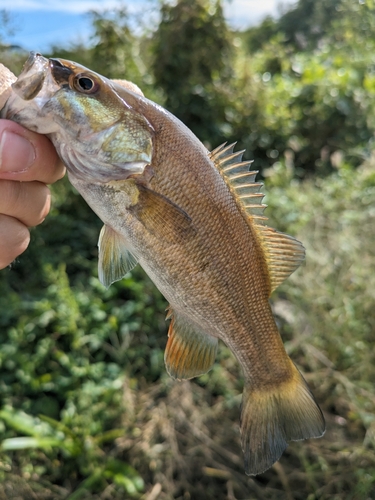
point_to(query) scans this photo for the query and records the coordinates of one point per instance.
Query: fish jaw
(32, 77)
(30, 92)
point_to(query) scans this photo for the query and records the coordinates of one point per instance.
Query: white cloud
(244, 13)
(239, 11)
(73, 6)
(39, 24)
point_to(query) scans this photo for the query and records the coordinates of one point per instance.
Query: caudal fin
(272, 418)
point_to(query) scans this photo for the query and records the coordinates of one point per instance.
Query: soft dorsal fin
(284, 254)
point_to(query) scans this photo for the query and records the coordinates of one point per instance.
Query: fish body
(194, 221)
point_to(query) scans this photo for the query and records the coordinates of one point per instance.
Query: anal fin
(189, 352)
(115, 260)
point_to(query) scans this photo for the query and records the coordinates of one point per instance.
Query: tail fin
(272, 418)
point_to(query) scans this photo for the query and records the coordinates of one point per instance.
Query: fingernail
(17, 154)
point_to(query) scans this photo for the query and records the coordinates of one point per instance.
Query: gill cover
(112, 129)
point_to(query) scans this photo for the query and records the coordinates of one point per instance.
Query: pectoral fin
(189, 352)
(161, 216)
(115, 260)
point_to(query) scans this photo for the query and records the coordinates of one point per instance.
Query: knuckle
(45, 197)
(22, 240)
(16, 242)
(29, 202)
(59, 170)
(10, 193)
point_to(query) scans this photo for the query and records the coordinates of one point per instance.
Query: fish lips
(34, 73)
(31, 79)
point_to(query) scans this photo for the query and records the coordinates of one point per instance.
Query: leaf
(23, 443)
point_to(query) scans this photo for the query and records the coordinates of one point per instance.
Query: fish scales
(212, 214)
(213, 218)
(192, 224)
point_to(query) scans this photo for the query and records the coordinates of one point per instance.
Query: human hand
(28, 162)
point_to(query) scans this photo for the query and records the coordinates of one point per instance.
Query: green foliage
(191, 64)
(258, 36)
(87, 410)
(114, 50)
(333, 217)
(12, 57)
(302, 25)
(66, 351)
(306, 23)
(316, 106)
(86, 402)
(329, 304)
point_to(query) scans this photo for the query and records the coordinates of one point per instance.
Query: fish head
(97, 133)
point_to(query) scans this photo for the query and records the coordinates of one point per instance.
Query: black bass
(194, 221)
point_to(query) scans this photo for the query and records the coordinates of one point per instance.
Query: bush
(87, 406)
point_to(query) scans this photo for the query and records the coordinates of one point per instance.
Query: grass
(88, 411)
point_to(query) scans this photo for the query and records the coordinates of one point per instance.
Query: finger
(29, 202)
(14, 239)
(27, 156)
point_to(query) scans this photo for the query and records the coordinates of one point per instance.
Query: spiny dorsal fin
(240, 179)
(284, 254)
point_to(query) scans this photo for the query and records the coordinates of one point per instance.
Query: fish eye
(85, 84)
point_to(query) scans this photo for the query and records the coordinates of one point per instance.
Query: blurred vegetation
(192, 65)
(87, 410)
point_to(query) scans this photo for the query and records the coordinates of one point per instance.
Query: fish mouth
(60, 72)
(34, 73)
(32, 76)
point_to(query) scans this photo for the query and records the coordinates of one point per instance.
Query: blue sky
(38, 24)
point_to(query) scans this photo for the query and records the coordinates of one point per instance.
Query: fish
(194, 220)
